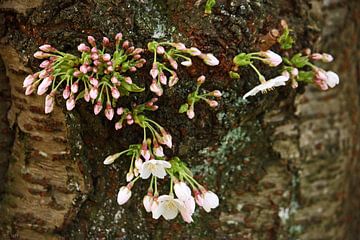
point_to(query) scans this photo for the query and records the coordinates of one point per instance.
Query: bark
(285, 165)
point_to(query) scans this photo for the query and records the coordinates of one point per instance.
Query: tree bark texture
(285, 165)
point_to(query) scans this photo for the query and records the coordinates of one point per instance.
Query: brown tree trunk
(285, 165)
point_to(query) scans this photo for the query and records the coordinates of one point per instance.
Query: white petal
(165, 164)
(163, 198)
(332, 79)
(159, 172)
(145, 171)
(170, 210)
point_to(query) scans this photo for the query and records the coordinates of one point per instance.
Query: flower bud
(212, 103)
(118, 126)
(163, 78)
(129, 176)
(41, 55)
(173, 63)
(179, 46)
(105, 42)
(209, 59)
(200, 80)
(29, 90)
(75, 87)
(123, 195)
(83, 69)
(154, 71)
(106, 57)
(91, 40)
(83, 48)
(186, 63)
(126, 44)
(98, 107)
(43, 87)
(47, 48)
(109, 111)
(86, 95)
(94, 92)
(173, 79)
(194, 51)
(128, 80)
(66, 92)
(49, 102)
(70, 103)
(216, 93)
(148, 202)
(182, 191)
(115, 93)
(118, 38)
(45, 64)
(120, 111)
(28, 80)
(160, 50)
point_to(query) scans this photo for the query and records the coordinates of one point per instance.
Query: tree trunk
(284, 165)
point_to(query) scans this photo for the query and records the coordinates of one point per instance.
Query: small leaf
(209, 5)
(184, 108)
(305, 76)
(242, 59)
(299, 61)
(132, 87)
(234, 75)
(80, 95)
(285, 40)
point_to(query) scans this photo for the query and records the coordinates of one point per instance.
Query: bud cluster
(96, 76)
(195, 97)
(167, 53)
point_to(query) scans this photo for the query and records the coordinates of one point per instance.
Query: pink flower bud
(98, 107)
(138, 51)
(89, 69)
(145, 153)
(126, 44)
(114, 80)
(190, 112)
(91, 40)
(166, 138)
(29, 90)
(94, 92)
(179, 46)
(201, 80)
(70, 103)
(173, 63)
(194, 51)
(160, 50)
(105, 41)
(137, 57)
(156, 88)
(28, 80)
(97, 62)
(129, 176)
(128, 80)
(186, 63)
(120, 111)
(83, 48)
(45, 64)
(148, 202)
(130, 121)
(106, 57)
(130, 50)
(86, 95)
(94, 56)
(132, 69)
(138, 163)
(294, 72)
(173, 79)
(163, 78)
(316, 56)
(115, 93)
(66, 92)
(41, 55)
(94, 50)
(47, 48)
(271, 58)
(123, 195)
(49, 102)
(43, 74)
(118, 38)
(139, 65)
(212, 103)
(209, 59)
(198, 198)
(75, 87)
(327, 58)
(83, 69)
(110, 68)
(216, 93)
(154, 71)
(158, 151)
(109, 112)
(118, 126)
(94, 81)
(77, 73)
(43, 87)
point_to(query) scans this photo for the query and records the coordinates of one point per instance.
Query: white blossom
(154, 167)
(268, 85)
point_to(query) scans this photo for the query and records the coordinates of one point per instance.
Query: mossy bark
(284, 165)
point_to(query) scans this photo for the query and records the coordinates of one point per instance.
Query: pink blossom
(43, 87)
(155, 87)
(98, 107)
(49, 102)
(94, 81)
(47, 48)
(95, 56)
(94, 92)
(173, 63)
(83, 48)
(163, 78)
(70, 103)
(158, 151)
(114, 80)
(45, 64)
(28, 80)
(271, 58)
(115, 93)
(91, 40)
(83, 69)
(118, 38)
(154, 71)
(66, 92)
(109, 112)
(160, 50)
(75, 87)
(106, 57)
(105, 41)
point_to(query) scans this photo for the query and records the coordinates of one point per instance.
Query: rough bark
(284, 165)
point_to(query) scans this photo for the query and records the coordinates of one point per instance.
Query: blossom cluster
(195, 97)
(165, 63)
(298, 68)
(96, 76)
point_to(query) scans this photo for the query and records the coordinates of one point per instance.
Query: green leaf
(299, 61)
(242, 59)
(285, 40)
(234, 75)
(209, 5)
(132, 87)
(184, 108)
(80, 95)
(152, 46)
(305, 76)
